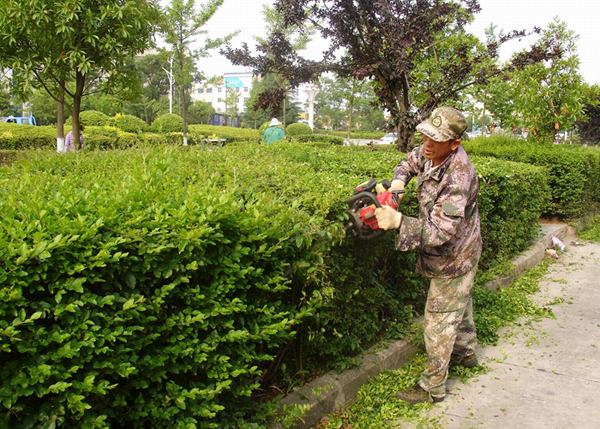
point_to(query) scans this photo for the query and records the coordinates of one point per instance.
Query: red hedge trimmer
(362, 205)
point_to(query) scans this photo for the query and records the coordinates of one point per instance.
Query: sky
(582, 16)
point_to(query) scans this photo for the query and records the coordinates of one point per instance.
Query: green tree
(200, 112)
(71, 47)
(417, 52)
(182, 23)
(344, 101)
(550, 95)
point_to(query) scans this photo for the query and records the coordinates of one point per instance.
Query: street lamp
(311, 90)
(170, 74)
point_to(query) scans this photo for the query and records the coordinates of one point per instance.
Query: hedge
(161, 287)
(231, 134)
(573, 172)
(298, 129)
(130, 124)
(93, 118)
(20, 137)
(312, 138)
(168, 123)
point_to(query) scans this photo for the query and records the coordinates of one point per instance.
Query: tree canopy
(417, 52)
(72, 47)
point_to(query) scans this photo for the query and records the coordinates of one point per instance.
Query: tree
(154, 83)
(182, 23)
(231, 102)
(416, 52)
(200, 112)
(72, 47)
(589, 126)
(549, 94)
(341, 99)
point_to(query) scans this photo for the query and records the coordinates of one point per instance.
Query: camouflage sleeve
(437, 228)
(409, 166)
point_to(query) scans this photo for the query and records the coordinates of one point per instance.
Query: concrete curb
(334, 391)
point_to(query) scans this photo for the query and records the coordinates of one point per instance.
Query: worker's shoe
(469, 361)
(416, 395)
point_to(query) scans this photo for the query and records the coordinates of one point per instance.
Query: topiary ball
(168, 123)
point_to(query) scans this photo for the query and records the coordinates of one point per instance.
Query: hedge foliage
(130, 124)
(93, 118)
(159, 287)
(312, 138)
(573, 172)
(231, 134)
(168, 123)
(298, 129)
(21, 137)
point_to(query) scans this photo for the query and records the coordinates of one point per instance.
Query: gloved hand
(388, 218)
(397, 185)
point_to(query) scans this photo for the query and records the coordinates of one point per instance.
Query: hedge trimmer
(362, 205)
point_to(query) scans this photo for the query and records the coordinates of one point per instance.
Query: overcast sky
(582, 16)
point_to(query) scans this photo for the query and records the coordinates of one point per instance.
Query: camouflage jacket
(447, 232)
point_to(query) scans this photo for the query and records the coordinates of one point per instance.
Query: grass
(376, 406)
(591, 231)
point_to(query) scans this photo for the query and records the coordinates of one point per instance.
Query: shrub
(20, 137)
(297, 129)
(231, 134)
(108, 138)
(130, 124)
(158, 287)
(311, 138)
(573, 172)
(263, 128)
(93, 118)
(168, 123)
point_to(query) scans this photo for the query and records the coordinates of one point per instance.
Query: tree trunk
(79, 85)
(349, 120)
(483, 121)
(60, 120)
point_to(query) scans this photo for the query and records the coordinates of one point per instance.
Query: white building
(241, 83)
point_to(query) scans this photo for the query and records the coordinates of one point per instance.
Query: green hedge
(312, 138)
(573, 172)
(159, 287)
(297, 129)
(93, 118)
(130, 124)
(168, 123)
(20, 137)
(231, 134)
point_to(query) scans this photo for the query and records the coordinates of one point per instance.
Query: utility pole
(170, 75)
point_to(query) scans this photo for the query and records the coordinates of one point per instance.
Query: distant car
(389, 138)
(20, 120)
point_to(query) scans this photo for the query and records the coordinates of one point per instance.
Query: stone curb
(334, 391)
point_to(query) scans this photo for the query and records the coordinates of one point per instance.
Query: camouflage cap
(446, 123)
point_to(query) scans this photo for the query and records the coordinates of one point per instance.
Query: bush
(297, 129)
(573, 172)
(311, 138)
(108, 138)
(93, 118)
(159, 287)
(130, 124)
(263, 128)
(20, 137)
(231, 134)
(168, 123)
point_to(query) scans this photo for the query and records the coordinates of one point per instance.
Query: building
(241, 83)
(215, 94)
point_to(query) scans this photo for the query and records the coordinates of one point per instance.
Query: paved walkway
(545, 374)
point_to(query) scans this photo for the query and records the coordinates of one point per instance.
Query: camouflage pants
(448, 328)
